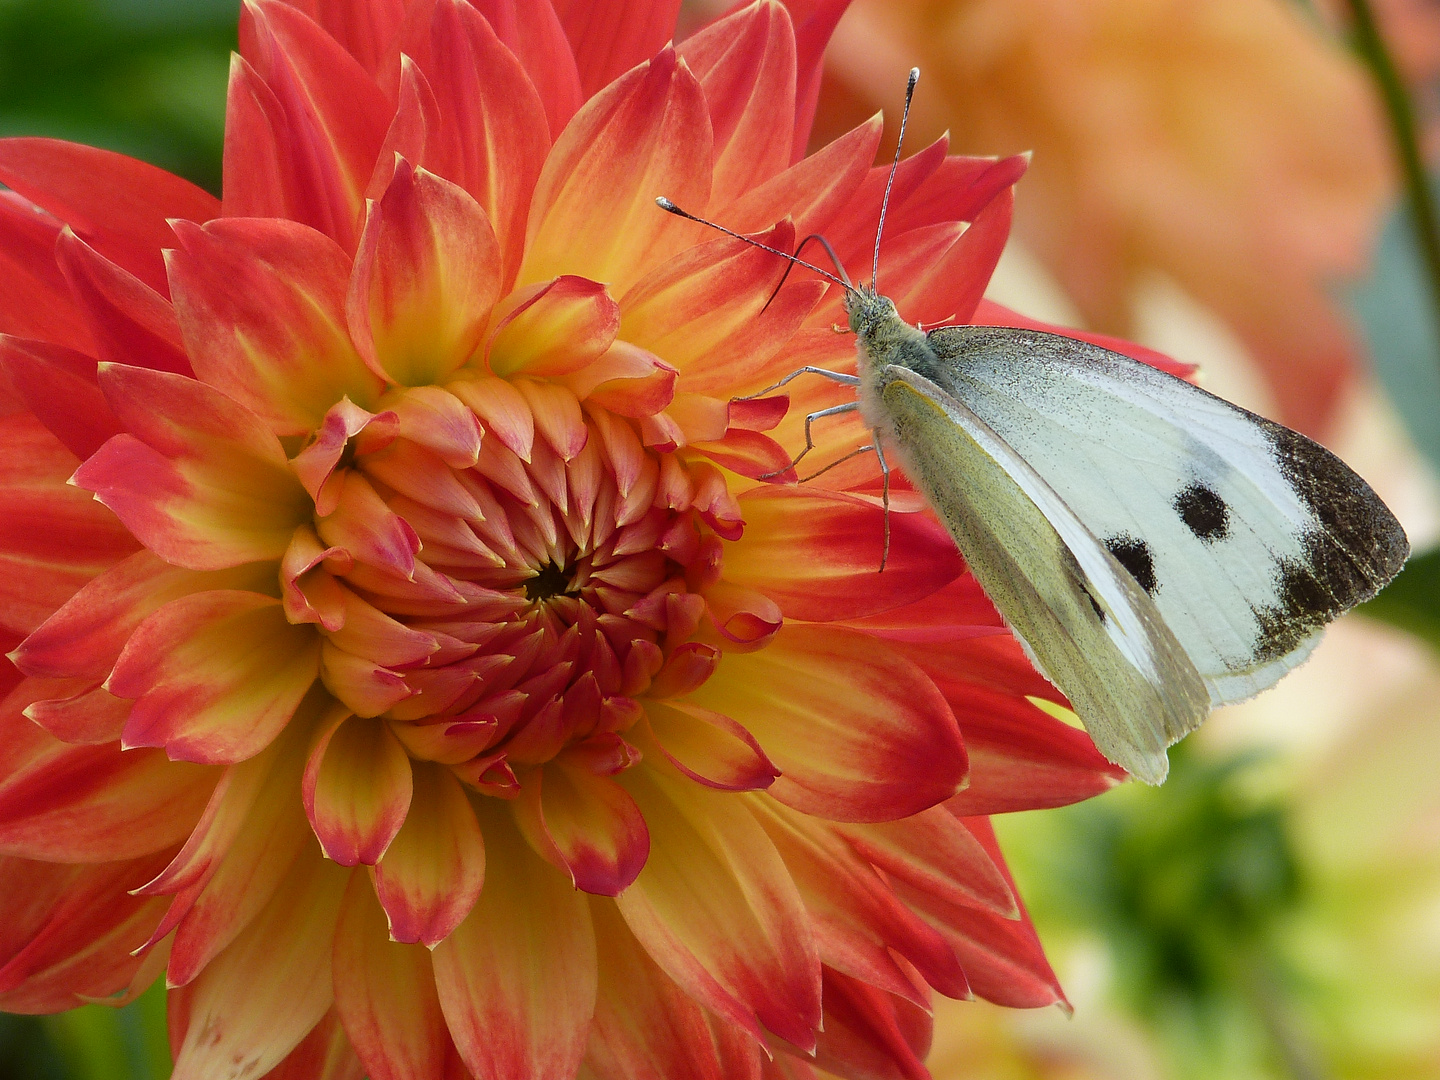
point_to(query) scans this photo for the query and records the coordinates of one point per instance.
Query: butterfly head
(868, 311)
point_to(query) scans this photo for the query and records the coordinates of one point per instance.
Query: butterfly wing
(1086, 622)
(1247, 537)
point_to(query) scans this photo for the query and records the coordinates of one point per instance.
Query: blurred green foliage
(95, 1042)
(145, 77)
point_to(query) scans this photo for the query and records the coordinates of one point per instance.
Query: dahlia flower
(411, 660)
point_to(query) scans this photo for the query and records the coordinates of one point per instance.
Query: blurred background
(1237, 183)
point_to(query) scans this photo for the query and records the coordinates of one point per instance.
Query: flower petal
(366, 28)
(88, 803)
(485, 129)
(116, 204)
(262, 307)
(646, 133)
(609, 37)
(255, 1001)
(517, 978)
(216, 675)
(385, 994)
(328, 122)
(858, 732)
(814, 21)
(554, 328)
(746, 65)
(585, 825)
(534, 34)
(817, 554)
(60, 386)
(709, 747)
(131, 322)
(40, 305)
(646, 1027)
(356, 789)
(434, 868)
(871, 1032)
(53, 538)
(717, 910)
(708, 311)
(426, 276)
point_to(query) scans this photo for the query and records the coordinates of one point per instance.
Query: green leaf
(1412, 600)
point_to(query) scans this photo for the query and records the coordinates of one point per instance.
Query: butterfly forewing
(1246, 536)
(1088, 624)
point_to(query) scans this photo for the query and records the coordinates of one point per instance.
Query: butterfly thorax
(882, 336)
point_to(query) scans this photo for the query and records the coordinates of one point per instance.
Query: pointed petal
(324, 1054)
(858, 732)
(871, 1033)
(709, 747)
(88, 803)
(517, 978)
(648, 132)
(53, 538)
(334, 117)
(426, 276)
(438, 421)
(131, 322)
(585, 825)
(116, 204)
(39, 304)
(262, 307)
(60, 387)
(708, 310)
(216, 675)
(953, 282)
(434, 869)
(746, 65)
(609, 37)
(817, 554)
(646, 1027)
(554, 328)
(501, 409)
(534, 34)
(717, 910)
(488, 132)
(255, 1001)
(356, 789)
(385, 994)
(814, 22)
(365, 27)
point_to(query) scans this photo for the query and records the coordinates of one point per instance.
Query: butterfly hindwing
(1088, 624)
(1246, 536)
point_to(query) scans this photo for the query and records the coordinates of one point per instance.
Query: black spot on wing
(1203, 512)
(1134, 555)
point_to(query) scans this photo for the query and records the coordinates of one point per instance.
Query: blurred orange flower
(1227, 144)
(433, 687)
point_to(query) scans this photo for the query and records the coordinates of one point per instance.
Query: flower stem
(1369, 43)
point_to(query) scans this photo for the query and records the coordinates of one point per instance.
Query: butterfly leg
(884, 499)
(834, 376)
(834, 410)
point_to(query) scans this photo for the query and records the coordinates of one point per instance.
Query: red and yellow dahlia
(407, 656)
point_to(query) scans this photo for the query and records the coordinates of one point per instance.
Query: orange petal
(746, 65)
(705, 311)
(478, 122)
(438, 421)
(584, 824)
(717, 910)
(435, 867)
(216, 675)
(502, 410)
(367, 529)
(647, 1028)
(365, 687)
(255, 1001)
(385, 994)
(517, 978)
(113, 202)
(817, 554)
(644, 134)
(261, 303)
(539, 40)
(426, 276)
(557, 416)
(858, 732)
(859, 922)
(325, 126)
(610, 37)
(88, 803)
(356, 789)
(61, 388)
(865, 1025)
(553, 328)
(709, 747)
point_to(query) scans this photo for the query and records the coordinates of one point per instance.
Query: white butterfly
(1157, 550)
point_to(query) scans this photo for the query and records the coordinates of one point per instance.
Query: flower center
(552, 580)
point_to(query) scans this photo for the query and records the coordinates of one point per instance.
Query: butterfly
(1157, 551)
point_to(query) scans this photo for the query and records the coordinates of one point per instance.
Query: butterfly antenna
(670, 208)
(839, 266)
(890, 181)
